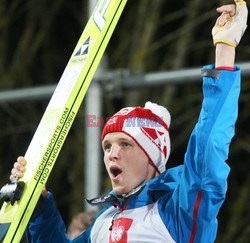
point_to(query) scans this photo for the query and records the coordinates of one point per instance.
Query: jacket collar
(145, 194)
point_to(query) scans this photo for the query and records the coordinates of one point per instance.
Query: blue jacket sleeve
(208, 147)
(204, 182)
(191, 213)
(48, 226)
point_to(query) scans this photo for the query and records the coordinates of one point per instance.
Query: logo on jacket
(119, 232)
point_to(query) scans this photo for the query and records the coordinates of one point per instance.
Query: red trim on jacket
(196, 209)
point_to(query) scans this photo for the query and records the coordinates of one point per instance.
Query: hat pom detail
(160, 111)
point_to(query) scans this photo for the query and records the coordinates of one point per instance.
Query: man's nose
(114, 153)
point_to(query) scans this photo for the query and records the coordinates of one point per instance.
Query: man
(149, 204)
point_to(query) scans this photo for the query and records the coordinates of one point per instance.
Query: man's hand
(18, 170)
(232, 23)
(227, 32)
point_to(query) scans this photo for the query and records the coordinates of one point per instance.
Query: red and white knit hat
(148, 127)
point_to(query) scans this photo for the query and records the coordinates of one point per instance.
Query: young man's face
(126, 163)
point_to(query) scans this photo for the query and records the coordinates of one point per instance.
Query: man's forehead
(116, 136)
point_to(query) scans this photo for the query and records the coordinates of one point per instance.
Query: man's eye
(125, 144)
(107, 147)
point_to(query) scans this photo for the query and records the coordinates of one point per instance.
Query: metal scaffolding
(109, 80)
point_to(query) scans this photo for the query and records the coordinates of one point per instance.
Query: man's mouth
(115, 171)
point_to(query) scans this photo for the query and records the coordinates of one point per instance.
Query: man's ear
(156, 173)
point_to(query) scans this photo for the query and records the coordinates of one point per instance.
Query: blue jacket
(181, 204)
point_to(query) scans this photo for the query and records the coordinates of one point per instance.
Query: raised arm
(203, 183)
(209, 142)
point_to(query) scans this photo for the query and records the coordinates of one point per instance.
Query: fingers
(21, 160)
(229, 9)
(18, 171)
(15, 174)
(18, 168)
(223, 19)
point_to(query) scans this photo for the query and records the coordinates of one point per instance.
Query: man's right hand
(18, 170)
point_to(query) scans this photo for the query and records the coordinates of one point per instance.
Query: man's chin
(120, 190)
